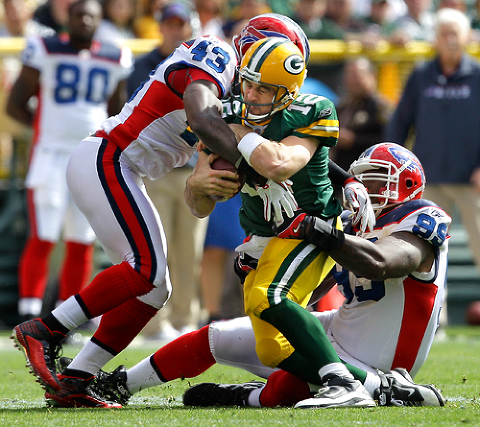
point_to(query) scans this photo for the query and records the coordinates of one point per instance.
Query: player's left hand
(357, 197)
(244, 264)
(277, 196)
(292, 228)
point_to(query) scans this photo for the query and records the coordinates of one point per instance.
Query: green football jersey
(307, 116)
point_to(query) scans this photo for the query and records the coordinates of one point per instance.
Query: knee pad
(270, 352)
(256, 302)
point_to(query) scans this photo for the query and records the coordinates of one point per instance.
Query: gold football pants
(290, 269)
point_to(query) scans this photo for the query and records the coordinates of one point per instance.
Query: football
(222, 164)
(473, 313)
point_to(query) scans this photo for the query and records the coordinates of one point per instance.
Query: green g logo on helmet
(294, 64)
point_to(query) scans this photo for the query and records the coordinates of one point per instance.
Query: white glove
(279, 195)
(356, 196)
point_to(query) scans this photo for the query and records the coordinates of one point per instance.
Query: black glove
(243, 264)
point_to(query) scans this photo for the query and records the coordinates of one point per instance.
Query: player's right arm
(26, 86)
(204, 115)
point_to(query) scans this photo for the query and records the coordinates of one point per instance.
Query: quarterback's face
(256, 94)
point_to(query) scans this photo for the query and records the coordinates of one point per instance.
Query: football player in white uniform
(149, 137)
(78, 83)
(393, 279)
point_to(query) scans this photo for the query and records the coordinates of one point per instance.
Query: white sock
(372, 382)
(31, 306)
(70, 314)
(142, 376)
(91, 358)
(254, 398)
(336, 369)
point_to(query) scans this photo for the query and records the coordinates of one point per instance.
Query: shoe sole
(78, 401)
(33, 351)
(351, 402)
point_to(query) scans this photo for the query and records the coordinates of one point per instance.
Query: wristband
(248, 143)
(350, 179)
(323, 235)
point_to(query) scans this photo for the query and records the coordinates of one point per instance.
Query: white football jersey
(151, 129)
(74, 88)
(392, 323)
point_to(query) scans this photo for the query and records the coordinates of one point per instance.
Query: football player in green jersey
(285, 136)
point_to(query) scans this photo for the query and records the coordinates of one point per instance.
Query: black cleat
(210, 394)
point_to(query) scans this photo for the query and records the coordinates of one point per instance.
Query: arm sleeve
(336, 174)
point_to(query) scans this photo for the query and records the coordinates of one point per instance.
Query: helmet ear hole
(409, 183)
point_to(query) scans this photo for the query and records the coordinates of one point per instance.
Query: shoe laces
(52, 352)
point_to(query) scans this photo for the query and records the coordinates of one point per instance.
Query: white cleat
(398, 389)
(339, 392)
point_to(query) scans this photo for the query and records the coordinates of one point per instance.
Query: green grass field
(453, 366)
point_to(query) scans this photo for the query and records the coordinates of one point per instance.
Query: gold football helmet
(275, 62)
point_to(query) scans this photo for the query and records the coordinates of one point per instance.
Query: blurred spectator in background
(475, 16)
(340, 12)
(77, 83)
(284, 7)
(440, 102)
(378, 24)
(185, 233)
(362, 112)
(310, 15)
(460, 5)
(362, 8)
(241, 13)
(147, 25)
(17, 20)
(54, 14)
(211, 16)
(117, 22)
(415, 25)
